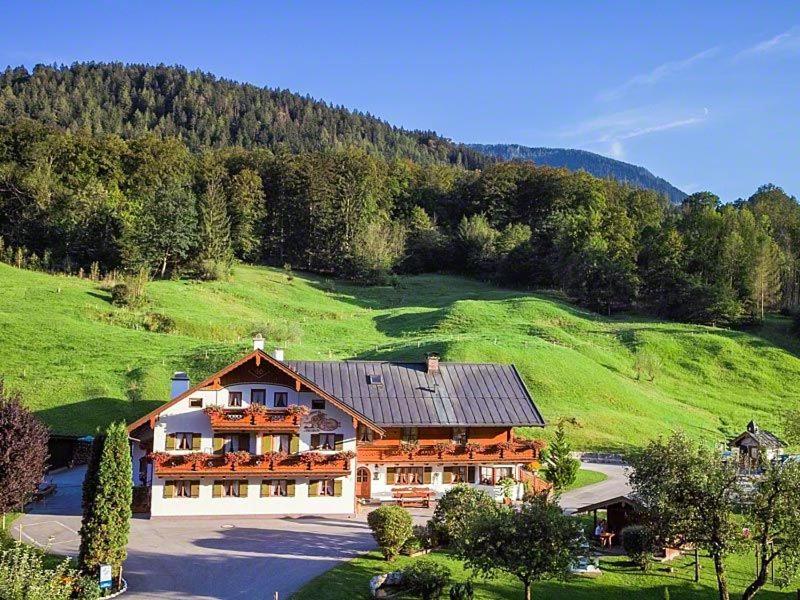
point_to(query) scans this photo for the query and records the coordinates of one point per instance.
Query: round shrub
(411, 546)
(456, 509)
(391, 527)
(462, 591)
(426, 578)
(636, 541)
(158, 323)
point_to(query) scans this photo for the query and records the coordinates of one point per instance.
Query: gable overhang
(258, 356)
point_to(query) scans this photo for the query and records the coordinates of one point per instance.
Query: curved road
(615, 485)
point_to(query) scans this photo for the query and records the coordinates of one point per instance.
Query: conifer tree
(106, 523)
(215, 250)
(561, 469)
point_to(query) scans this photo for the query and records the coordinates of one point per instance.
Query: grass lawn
(586, 477)
(619, 580)
(82, 362)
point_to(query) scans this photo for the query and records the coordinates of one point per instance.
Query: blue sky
(706, 95)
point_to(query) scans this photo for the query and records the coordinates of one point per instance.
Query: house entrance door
(363, 483)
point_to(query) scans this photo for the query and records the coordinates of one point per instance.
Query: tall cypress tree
(106, 524)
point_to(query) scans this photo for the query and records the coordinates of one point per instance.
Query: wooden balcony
(188, 466)
(511, 452)
(272, 420)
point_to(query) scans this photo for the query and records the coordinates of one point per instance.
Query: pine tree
(561, 469)
(106, 523)
(215, 227)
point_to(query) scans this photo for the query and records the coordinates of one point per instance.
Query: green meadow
(81, 362)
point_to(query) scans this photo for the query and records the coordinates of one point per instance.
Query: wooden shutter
(391, 475)
(470, 474)
(216, 491)
(313, 488)
(338, 441)
(171, 441)
(427, 474)
(447, 477)
(169, 489)
(195, 488)
(219, 444)
(290, 487)
(337, 487)
(264, 488)
(197, 439)
(294, 444)
(243, 488)
(314, 441)
(266, 443)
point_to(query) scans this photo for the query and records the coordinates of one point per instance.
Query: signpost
(105, 577)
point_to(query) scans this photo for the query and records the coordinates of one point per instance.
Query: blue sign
(105, 577)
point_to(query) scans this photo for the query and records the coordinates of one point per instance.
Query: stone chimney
(180, 383)
(432, 364)
(258, 342)
(277, 354)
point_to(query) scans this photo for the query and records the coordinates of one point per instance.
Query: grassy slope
(81, 362)
(619, 579)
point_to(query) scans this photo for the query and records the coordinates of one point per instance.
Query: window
(375, 379)
(327, 441)
(229, 488)
(280, 399)
(364, 434)
(487, 476)
(278, 487)
(183, 441)
(196, 402)
(456, 475)
(490, 476)
(183, 489)
(410, 435)
(459, 435)
(326, 487)
(281, 443)
(318, 404)
(234, 398)
(258, 397)
(410, 475)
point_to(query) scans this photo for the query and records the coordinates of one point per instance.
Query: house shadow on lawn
(86, 417)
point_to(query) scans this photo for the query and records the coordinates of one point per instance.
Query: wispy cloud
(787, 41)
(657, 74)
(609, 132)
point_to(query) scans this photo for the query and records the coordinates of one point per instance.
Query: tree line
(75, 200)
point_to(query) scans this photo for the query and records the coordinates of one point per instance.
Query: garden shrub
(456, 509)
(411, 546)
(24, 577)
(391, 527)
(636, 541)
(158, 323)
(425, 535)
(426, 578)
(462, 591)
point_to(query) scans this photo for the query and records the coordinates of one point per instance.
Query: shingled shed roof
(764, 438)
(456, 395)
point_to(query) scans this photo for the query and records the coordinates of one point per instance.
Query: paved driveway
(615, 485)
(199, 557)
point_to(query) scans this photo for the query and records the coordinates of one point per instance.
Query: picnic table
(606, 538)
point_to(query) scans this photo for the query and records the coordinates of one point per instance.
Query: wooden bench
(413, 497)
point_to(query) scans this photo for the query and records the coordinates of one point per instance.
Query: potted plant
(443, 448)
(472, 448)
(311, 458)
(255, 410)
(234, 459)
(504, 447)
(345, 456)
(273, 457)
(410, 448)
(214, 411)
(196, 459)
(159, 458)
(507, 485)
(297, 411)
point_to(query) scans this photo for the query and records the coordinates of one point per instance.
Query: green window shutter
(197, 439)
(447, 477)
(243, 488)
(427, 474)
(294, 444)
(471, 474)
(338, 442)
(290, 487)
(171, 441)
(266, 443)
(169, 489)
(264, 488)
(391, 475)
(337, 487)
(313, 488)
(314, 441)
(216, 492)
(218, 444)
(195, 487)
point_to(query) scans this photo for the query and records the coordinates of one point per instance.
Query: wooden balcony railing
(278, 420)
(242, 464)
(513, 452)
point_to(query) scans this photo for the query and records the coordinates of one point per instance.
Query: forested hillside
(576, 160)
(206, 111)
(81, 361)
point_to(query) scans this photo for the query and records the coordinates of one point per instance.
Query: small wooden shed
(620, 512)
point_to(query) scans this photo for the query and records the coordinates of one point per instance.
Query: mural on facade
(317, 420)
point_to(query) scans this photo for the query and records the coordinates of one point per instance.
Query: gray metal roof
(460, 394)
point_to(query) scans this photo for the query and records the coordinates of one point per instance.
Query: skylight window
(375, 379)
